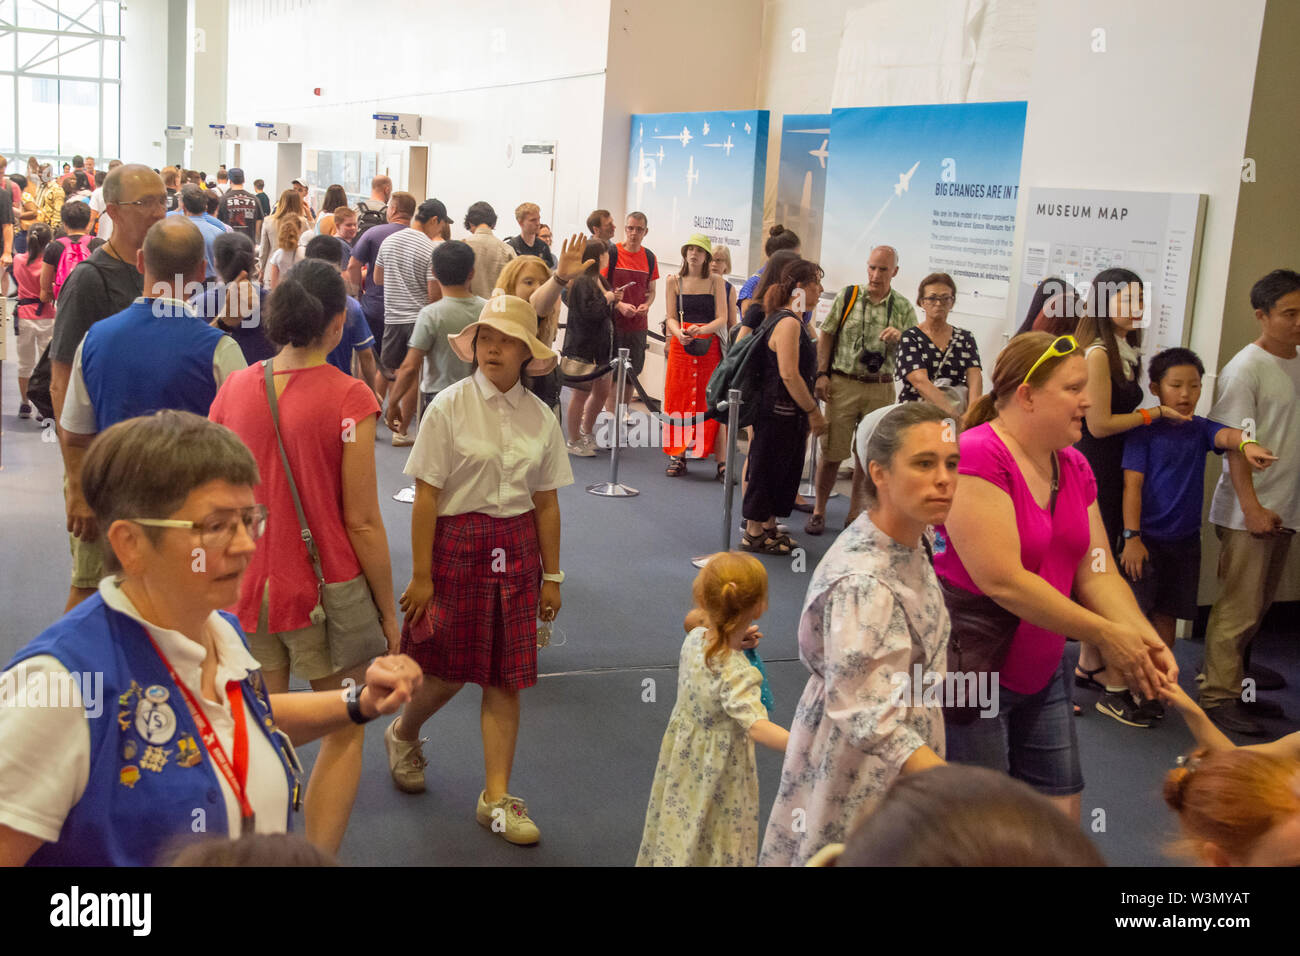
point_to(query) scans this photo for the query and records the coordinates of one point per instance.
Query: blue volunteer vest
(135, 363)
(141, 796)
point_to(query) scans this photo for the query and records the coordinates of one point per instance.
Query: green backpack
(742, 367)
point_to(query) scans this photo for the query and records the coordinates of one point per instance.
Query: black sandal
(778, 542)
(753, 542)
(1086, 680)
(676, 467)
(722, 472)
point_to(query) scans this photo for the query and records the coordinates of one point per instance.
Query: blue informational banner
(939, 184)
(801, 179)
(700, 172)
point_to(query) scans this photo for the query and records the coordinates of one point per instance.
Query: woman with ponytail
(35, 319)
(326, 420)
(1024, 552)
(704, 801)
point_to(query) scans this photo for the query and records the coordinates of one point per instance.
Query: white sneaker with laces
(406, 761)
(508, 817)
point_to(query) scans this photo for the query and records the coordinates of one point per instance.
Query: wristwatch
(354, 707)
(823, 375)
(1130, 533)
(557, 577)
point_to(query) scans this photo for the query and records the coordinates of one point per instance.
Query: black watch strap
(823, 375)
(1130, 533)
(354, 707)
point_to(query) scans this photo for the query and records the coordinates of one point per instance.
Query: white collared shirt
(45, 751)
(489, 451)
(78, 410)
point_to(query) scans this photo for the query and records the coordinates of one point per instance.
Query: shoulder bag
(981, 633)
(347, 608)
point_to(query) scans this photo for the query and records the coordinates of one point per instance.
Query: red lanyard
(236, 776)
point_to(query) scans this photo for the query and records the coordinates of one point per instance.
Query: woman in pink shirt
(1026, 489)
(35, 324)
(327, 421)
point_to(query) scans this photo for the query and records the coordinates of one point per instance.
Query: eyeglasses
(940, 299)
(218, 529)
(1062, 346)
(146, 202)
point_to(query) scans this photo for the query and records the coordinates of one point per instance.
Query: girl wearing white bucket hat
(485, 539)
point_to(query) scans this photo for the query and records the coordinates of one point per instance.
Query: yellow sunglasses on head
(1061, 346)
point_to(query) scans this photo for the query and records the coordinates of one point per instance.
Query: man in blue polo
(194, 207)
(155, 353)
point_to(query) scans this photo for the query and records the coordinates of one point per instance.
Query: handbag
(347, 608)
(980, 635)
(698, 346)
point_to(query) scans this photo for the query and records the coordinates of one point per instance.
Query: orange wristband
(1146, 416)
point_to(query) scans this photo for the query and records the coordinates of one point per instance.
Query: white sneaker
(580, 448)
(406, 761)
(509, 817)
(589, 442)
(402, 441)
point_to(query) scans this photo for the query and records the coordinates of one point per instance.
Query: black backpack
(368, 216)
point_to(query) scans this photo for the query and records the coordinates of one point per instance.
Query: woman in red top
(35, 325)
(327, 421)
(697, 309)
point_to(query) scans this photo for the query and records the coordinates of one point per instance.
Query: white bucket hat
(514, 317)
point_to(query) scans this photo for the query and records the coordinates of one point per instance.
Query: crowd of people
(218, 368)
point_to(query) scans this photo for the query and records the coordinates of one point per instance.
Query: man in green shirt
(855, 372)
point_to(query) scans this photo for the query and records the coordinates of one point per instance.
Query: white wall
(483, 77)
(1164, 108)
(144, 82)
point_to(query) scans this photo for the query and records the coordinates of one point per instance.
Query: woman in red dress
(697, 312)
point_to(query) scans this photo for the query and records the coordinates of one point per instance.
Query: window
(60, 79)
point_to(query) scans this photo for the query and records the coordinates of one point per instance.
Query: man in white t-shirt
(404, 268)
(1255, 517)
(103, 221)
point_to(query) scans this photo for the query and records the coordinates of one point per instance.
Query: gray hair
(146, 467)
(892, 251)
(891, 431)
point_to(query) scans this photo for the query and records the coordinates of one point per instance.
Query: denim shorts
(1032, 738)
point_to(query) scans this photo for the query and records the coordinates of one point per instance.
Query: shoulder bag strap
(307, 538)
(849, 302)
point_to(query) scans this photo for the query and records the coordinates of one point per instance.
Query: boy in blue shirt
(1164, 482)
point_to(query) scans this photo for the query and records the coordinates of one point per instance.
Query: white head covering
(867, 427)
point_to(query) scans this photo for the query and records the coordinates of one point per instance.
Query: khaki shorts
(305, 653)
(87, 562)
(848, 402)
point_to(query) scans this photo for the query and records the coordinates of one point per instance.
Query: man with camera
(856, 349)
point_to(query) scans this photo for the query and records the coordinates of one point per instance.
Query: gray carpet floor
(589, 737)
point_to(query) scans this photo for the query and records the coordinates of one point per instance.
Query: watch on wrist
(1130, 533)
(822, 375)
(354, 707)
(556, 578)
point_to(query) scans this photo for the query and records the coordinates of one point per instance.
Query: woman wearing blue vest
(139, 718)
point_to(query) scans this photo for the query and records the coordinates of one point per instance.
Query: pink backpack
(74, 253)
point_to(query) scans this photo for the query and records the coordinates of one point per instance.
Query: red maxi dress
(685, 382)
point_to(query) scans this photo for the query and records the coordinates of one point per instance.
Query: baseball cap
(235, 175)
(430, 208)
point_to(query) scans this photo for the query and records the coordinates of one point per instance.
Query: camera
(872, 359)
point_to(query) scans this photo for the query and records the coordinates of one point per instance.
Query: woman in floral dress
(873, 612)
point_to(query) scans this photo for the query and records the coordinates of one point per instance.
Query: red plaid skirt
(481, 627)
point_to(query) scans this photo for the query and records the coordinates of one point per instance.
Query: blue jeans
(1032, 738)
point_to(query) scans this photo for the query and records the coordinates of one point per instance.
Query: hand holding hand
(390, 682)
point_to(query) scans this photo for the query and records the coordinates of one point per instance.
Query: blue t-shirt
(366, 251)
(1171, 457)
(357, 337)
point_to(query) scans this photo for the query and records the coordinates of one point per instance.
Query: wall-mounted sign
(397, 125)
(222, 131)
(274, 131)
(180, 132)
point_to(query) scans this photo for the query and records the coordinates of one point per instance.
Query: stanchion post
(809, 489)
(733, 432)
(612, 488)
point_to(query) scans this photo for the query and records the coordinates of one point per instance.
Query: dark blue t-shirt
(366, 251)
(357, 337)
(1171, 457)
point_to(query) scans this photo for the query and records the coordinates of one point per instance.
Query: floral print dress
(873, 611)
(704, 802)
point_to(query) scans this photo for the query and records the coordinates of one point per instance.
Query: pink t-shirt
(318, 409)
(28, 274)
(1051, 547)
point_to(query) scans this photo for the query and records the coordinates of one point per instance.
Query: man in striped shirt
(404, 270)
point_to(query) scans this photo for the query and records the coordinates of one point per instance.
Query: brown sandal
(676, 467)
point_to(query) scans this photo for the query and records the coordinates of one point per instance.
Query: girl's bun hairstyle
(305, 302)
